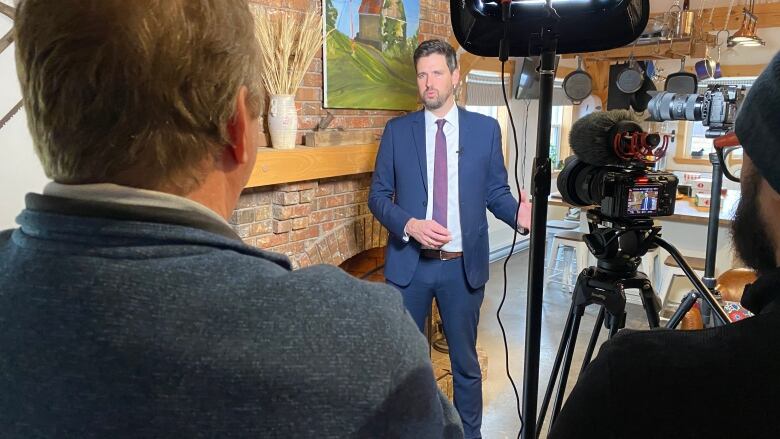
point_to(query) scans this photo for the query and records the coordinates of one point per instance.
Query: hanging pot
(578, 84)
(705, 68)
(283, 121)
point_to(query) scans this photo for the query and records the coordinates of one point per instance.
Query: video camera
(611, 168)
(716, 108)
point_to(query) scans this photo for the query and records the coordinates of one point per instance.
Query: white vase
(283, 121)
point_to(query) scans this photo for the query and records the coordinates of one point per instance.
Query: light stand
(610, 24)
(708, 280)
(540, 187)
(712, 234)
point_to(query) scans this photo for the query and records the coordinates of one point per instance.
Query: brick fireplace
(325, 221)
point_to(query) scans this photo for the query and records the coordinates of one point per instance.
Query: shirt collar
(114, 193)
(451, 117)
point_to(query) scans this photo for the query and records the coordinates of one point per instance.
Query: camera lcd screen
(642, 200)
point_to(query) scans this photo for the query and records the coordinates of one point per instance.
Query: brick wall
(434, 23)
(324, 221)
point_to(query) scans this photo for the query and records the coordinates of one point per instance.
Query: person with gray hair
(128, 306)
(717, 382)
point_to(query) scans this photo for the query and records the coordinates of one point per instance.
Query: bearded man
(717, 382)
(437, 171)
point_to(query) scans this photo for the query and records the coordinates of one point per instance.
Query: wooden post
(599, 71)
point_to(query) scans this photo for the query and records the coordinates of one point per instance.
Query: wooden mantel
(275, 166)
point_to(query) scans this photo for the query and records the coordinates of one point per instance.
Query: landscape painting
(368, 54)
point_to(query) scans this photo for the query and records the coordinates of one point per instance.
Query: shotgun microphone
(614, 138)
(592, 137)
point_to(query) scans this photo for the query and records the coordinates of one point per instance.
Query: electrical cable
(511, 251)
(525, 144)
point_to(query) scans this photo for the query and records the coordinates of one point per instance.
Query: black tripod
(618, 249)
(618, 245)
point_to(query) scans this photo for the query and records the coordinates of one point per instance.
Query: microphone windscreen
(591, 136)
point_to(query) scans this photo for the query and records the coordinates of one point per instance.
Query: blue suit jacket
(399, 190)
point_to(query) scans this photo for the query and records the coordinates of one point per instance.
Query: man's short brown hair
(430, 47)
(136, 92)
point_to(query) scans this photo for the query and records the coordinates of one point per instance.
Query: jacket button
(425, 203)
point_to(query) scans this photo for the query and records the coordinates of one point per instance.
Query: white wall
(20, 171)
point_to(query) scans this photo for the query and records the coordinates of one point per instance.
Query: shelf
(275, 166)
(663, 49)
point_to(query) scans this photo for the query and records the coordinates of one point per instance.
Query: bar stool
(671, 270)
(555, 226)
(574, 241)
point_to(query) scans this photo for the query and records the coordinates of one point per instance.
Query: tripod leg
(556, 366)
(593, 339)
(578, 312)
(683, 309)
(616, 322)
(651, 304)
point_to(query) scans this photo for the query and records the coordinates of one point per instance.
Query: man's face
(435, 82)
(749, 232)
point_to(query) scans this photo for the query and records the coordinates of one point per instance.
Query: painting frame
(368, 52)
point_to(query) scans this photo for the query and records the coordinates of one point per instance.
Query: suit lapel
(418, 133)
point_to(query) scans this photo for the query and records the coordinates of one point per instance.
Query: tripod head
(619, 243)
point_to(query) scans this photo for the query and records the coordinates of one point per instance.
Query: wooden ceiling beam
(768, 16)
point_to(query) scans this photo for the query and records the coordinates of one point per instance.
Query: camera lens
(581, 184)
(673, 106)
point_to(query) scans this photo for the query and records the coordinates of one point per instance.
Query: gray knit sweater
(125, 321)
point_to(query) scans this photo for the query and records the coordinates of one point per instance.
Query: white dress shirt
(114, 193)
(451, 132)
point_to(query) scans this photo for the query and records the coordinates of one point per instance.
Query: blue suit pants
(459, 308)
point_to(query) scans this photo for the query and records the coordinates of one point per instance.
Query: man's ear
(456, 76)
(238, 129)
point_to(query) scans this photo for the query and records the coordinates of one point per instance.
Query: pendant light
(746, 35)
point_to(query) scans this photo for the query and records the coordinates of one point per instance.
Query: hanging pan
(629, 81)
(641, 98)
(578, 84)
(681, 82)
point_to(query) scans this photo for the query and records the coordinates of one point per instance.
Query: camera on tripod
(619, 192)
(612, 168)
(716, 108)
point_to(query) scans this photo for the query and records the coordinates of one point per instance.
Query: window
(500, 114)
(485, 96)
(555, 137)
(693, 147)
(560, 125)
(487, 110)
(699, 146)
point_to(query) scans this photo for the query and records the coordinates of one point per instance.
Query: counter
(684, 209)
(687, 228)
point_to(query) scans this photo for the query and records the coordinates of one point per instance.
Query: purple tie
(440, 176)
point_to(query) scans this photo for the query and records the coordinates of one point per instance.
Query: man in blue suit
(436, 172)
(647, 203)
